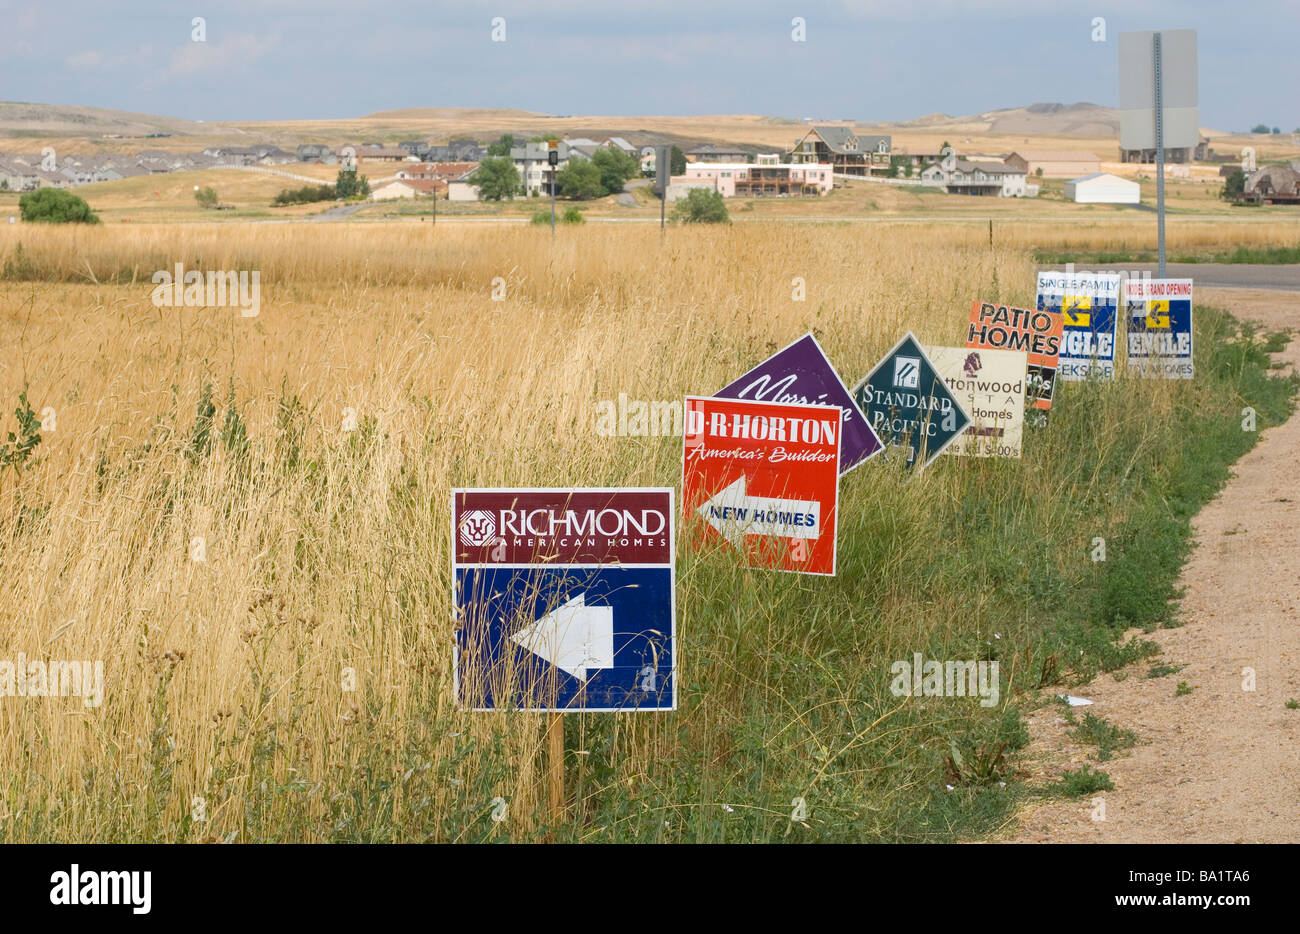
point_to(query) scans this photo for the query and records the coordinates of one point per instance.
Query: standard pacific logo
(907, 372)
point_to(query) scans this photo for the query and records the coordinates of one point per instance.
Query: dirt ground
(1221, 764)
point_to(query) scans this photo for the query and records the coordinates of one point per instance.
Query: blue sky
(862, 59)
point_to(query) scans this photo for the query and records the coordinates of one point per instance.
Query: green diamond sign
(906, 402)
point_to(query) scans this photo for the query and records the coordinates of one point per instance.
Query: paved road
(1220, 275)
(335, 214)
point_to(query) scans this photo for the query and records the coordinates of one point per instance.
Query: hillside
(1081, 119)
(19, 119)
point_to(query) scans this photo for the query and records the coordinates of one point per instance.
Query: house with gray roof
(711, 152)
(848, 152)
(1272, 184)
(15, 176)
(533, 162)
(964, 177)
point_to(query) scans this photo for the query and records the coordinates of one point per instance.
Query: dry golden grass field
(233, 512)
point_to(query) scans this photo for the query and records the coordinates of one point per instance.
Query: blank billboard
(1137, 93)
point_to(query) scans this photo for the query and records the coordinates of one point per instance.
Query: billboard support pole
(1160, 153)
(555, 763)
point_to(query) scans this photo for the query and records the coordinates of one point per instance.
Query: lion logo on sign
(477, 528)
(973, 365)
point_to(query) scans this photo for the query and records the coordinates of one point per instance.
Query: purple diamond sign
(801, 375)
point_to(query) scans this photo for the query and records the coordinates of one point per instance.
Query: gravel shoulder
(1222, 764)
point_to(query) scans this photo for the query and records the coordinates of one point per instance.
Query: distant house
(1056, 163)
(232, 155)
(457, 150)
(1273, 184)
(619, 143)
(415, 148)
(848, 152)
(1103, 188)
(370, 153)
(532, 160)
(442, 170)
(48, 179)
(913, 163)
(766, 178)
(313, 152)
(160, 157)
(708, 152)
(586, 148)
(964, 177)
(408, 188)
(14, 176)
(267, 154)
(462, 188)
(77, 174)
(463, 150)
(154, 166)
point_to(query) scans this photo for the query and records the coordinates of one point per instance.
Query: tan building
(408, 188)
(1055, 163)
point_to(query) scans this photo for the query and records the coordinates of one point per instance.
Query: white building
(406, 188)
(964, 177)
(1103, 188)
(532, 160)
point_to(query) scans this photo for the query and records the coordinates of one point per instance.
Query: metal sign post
(553, 157)
(1158, 104)
(663, 178)
(1160, 151)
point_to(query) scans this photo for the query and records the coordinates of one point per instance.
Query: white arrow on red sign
(735, 515)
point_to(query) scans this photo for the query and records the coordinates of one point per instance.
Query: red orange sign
(764, 477)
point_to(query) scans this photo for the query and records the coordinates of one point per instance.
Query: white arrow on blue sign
(564, 599)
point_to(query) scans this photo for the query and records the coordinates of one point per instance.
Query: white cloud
(87, 59)
(236, 51)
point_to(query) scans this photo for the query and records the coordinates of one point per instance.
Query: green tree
(580, 179)
(55, 206)
(616, 167)
(573, 215)
(350, 185)
(1234, 186)
(501, 147)
(206, 197)
(496, 178)
(701, 206)
(1259, 128)
(677, 162)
